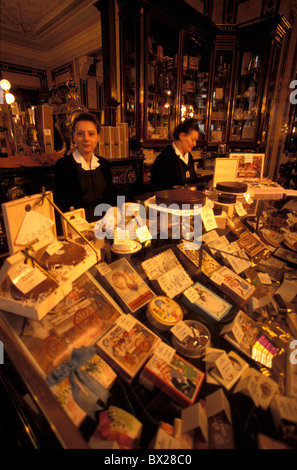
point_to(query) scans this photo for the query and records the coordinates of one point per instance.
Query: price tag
(143, 234)
(103, 268)
(264, 278)
(237, 332)
(240, 209)
(210, 236)
(224, 366)
(217, 278)
(25, 278)
(53, 247)
(165, 352)
(80, 223)
(248, 158)
(191, 294)
(126, 322)
(208, 219)
(181, 331)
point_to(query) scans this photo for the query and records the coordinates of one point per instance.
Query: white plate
(136, 248)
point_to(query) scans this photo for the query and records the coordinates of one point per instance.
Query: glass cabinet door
(220, 96)
(161, 79)
(129, 75)
(246, 106)
(195, 84)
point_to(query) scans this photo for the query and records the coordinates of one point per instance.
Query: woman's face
(188, 141)
(85, 137)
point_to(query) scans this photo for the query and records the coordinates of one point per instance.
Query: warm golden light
(9, 98)
(5, 84)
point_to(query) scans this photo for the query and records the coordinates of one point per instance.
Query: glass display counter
(250, 424)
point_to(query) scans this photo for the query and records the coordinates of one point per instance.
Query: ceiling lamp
(5, 85)
(9, 98)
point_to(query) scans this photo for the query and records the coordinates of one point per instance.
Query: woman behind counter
(82, 179)
(174, 166)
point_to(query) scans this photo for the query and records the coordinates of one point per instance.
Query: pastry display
(231, 187)
(180, 196)
(70, 254)
(227, 198)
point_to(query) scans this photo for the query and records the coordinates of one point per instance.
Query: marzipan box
(30, 222)
(27, 290)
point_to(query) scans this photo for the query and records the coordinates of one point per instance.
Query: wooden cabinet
(166, 58)
(177, 64)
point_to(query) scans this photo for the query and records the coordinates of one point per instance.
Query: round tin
(163, 312)
(193, 345)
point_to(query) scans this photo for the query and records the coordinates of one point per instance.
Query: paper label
(210, 237)
(209, 220)
(225, 366)
(103, 268)
(181, 331)
(264, 278)
(217, 278)
(191, 294)
(165, 352)
(53, 247)
(25, 278)
(248, 158)
(143, 234)
(240, 209)
(126, 322)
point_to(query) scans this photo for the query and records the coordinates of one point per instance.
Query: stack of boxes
(114, 141)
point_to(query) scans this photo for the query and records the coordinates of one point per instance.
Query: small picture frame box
(30, 225)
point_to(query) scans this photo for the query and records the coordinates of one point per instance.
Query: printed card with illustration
(206, 302)
(80, 319)
(233, 285)
(177, 377)
(128, 284)
(209, 264)
(127, 346)
(166, 270)
(160, 264)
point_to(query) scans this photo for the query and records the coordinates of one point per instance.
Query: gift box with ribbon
(82, 384)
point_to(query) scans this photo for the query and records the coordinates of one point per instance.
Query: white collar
(184, 158)
(80, 159)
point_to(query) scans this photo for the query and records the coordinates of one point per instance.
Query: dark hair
(186, 126)
(86, 117)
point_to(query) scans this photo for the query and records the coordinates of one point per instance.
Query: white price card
(25, 278)
(248, 158)
(126, 322)
(181, 331)
(240, 209)
(217, 278)
(53, 247)
(264, 278)
(165, 352)
(237, 332)
(208, 219)
(191, 294)
(103, 268)
(224, 366)
(143, 234)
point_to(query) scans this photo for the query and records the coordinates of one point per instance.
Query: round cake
(227, 198)
(231, 187)
(163, 312)
(44, 288)
(70, 254)
(180, 196)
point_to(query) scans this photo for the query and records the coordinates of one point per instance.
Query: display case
(258, 67)
(221, 95)
(166, 58)
(33, 349)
